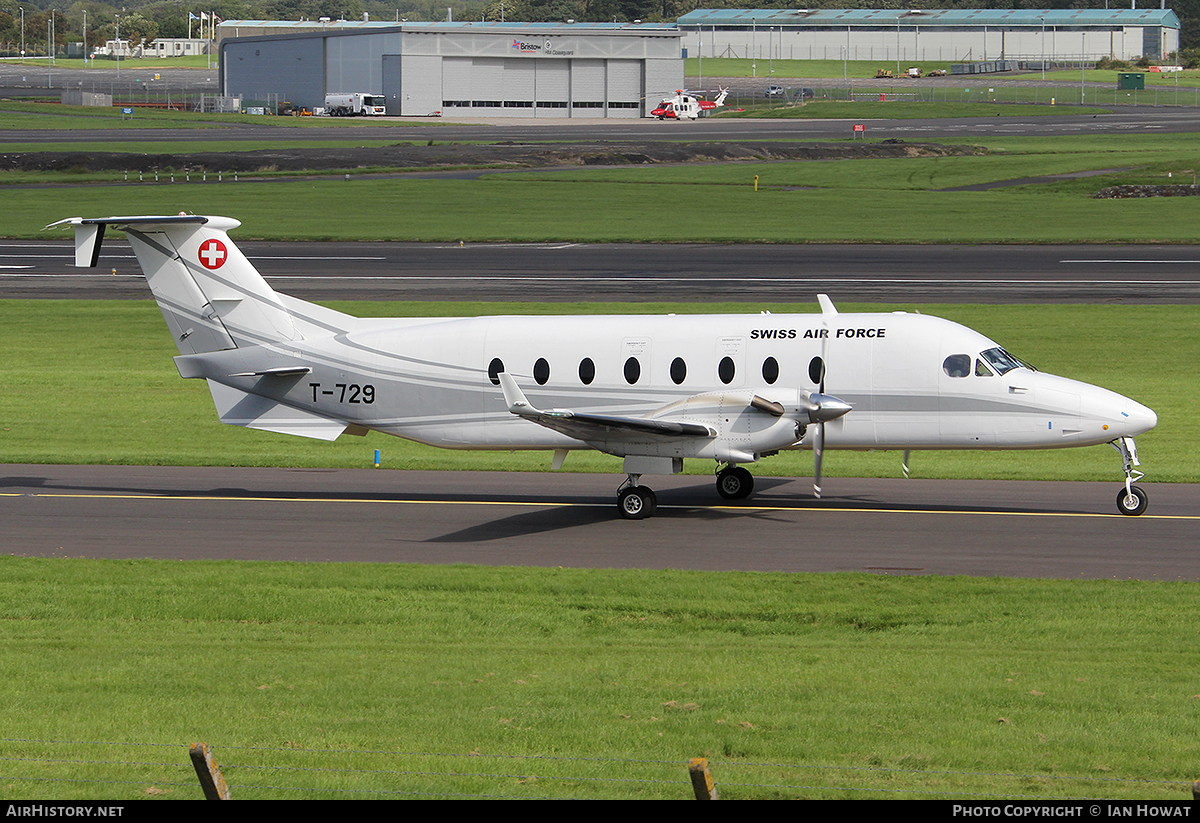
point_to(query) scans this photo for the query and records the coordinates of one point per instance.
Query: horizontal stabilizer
(89, 232)
(239, 408)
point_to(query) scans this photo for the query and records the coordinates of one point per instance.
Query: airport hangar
(550, 70)
(913, 35)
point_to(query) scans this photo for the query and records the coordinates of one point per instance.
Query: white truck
(354, 104)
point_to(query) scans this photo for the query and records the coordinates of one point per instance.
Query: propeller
(822, 407)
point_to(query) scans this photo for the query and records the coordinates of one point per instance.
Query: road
(759, 274)
(1142, 120)
(1008, 528)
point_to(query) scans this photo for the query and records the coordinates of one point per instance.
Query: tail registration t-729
(731, 389)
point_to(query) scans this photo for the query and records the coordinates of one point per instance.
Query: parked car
(774, 91)
(805, 94)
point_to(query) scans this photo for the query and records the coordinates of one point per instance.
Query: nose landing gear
(1131, 500)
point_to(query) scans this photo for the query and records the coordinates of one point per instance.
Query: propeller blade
(818, 450)
(826, 407)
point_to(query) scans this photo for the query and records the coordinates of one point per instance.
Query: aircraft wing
(590, 427)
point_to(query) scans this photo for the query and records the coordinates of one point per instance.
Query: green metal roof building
(913, 35)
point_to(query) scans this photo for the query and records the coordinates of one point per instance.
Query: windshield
(1003, 362)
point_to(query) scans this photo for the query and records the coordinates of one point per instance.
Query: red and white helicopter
(685, 106)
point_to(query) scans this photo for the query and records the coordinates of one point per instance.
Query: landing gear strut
(1131, 500)
(636, 502)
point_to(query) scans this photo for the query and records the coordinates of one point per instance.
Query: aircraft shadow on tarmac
(555, 510)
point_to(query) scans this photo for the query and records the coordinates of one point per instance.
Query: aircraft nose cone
(1138, 419)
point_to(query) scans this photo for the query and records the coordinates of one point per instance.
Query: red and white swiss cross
(212, 254)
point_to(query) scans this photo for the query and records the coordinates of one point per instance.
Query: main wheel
(735, 483)
(636, 502)
(1132, 502)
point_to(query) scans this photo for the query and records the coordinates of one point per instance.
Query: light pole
(22, 8)
(1082, 58)
(118, 17)
(1043, 19)
(753, 46)
(846, 63)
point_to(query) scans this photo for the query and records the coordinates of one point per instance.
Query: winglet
(514, 397)
(827, 306)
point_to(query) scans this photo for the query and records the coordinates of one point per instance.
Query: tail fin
(211, 296)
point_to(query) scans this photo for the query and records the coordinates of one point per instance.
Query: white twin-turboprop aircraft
(653, 390)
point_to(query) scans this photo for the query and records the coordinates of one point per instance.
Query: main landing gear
(1131, 500)
(637, 502)
(735, 483)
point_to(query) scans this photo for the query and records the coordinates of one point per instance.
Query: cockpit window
(957, 365)
(981, 369)
(1002, 361)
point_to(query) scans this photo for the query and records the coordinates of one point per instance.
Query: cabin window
(957, 365)
(725, 370)
(770, 370)
(816, 370)
(587, 371)
(494, 369)
(678, 371)
(633, 370)
(541, 371)
(981, 369)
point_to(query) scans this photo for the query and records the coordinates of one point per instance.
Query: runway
(760, 275)
(979, 528)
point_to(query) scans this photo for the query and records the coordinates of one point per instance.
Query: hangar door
(533, 87)
(625, 88)
(553, 78)
(588, 84)
(520, 85)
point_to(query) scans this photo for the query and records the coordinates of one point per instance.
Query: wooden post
(702, 782)
(210, 775)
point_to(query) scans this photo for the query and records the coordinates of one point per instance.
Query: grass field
(863, 200)
(353, 680)
(31, 115)
(194, 61)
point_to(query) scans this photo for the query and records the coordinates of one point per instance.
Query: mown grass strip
(829, 201)
(337, 679)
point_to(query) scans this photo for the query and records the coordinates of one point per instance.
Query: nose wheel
(1131, 500)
